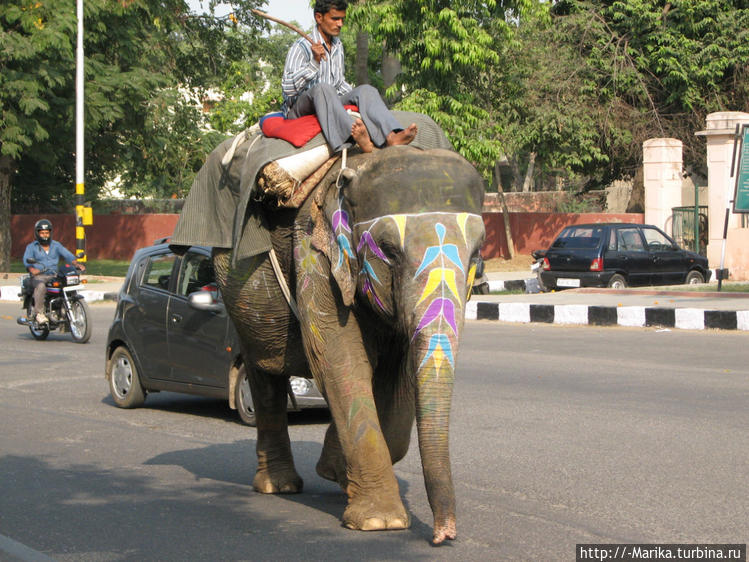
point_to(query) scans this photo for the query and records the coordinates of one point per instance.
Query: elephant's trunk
(434, 386)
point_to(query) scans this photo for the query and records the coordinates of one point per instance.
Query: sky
(287, 10)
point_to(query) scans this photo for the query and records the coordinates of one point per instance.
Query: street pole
(80, 211)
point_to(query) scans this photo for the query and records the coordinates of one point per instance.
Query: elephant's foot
(277, 482)
(444, 530)
(378, 512)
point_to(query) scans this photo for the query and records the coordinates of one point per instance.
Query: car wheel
(124, 382)
(243, 398)
(617, 282)
(694, 278)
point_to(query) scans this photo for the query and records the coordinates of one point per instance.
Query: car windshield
(579, 237)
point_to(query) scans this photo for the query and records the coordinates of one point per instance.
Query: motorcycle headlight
(72, 279)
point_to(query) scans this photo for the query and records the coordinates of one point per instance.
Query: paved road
(560, 435)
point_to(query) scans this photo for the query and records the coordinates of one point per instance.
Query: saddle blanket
(295, 131)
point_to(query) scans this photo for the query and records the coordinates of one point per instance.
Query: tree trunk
(505, 211)
(7, 169)
(362, 57)
(527, 184)
(515, 167)
(391, 68)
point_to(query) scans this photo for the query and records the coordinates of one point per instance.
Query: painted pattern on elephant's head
(434, 255)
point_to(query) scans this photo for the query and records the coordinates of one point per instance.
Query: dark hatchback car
(619, 255)
(171, 332)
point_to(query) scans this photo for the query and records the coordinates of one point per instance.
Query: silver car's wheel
(694, 278)
(243, 399)
(124, 383)
(617, 282)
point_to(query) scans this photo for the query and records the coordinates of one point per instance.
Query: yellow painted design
(462, 220)
(400, 221)
(79, 189)
(80, 233)
(469, 281)
(438, 276)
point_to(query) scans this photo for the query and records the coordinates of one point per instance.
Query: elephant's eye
(390, 251)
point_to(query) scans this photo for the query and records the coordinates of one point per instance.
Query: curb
(632, 316)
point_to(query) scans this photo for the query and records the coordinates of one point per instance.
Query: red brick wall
(110, 237)
(118, 236)
(534, 231)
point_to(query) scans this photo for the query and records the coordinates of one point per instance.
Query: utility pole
(83, 215)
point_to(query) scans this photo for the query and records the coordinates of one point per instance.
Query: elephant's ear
(333, 234)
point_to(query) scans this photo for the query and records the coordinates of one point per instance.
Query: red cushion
(296, 131)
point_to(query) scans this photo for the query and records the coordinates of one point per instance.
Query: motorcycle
(64, 307)
(537, 267)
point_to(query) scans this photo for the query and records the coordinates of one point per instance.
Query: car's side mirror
(203, 300)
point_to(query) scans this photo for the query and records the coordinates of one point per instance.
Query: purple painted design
(369, 290)
(340, 220)
(440, 307)
(366, 238)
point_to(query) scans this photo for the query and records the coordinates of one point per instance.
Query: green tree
(584, 90)
(445, 48)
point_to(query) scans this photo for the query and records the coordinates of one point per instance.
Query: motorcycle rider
(47, 254)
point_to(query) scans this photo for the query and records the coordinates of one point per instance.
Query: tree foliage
(445, 48)
(585, 90)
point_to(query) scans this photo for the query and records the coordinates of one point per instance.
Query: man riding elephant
(314, 83)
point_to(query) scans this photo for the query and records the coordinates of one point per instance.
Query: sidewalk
(650, 307)
(656, 307)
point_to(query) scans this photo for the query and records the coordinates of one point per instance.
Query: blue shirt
(302, 71)
(46, 262)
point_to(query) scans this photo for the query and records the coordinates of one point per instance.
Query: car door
(145, 328)
(632, 255)
(197, 339)
(668, 261)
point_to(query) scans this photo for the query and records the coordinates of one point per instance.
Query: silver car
(171, 332)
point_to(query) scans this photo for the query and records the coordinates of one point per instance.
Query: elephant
(380, 259)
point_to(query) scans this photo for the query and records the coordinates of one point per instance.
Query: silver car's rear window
(577, 237)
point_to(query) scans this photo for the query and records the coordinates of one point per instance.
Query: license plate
(563, 282)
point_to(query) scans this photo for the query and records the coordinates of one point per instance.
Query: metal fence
(688, 233)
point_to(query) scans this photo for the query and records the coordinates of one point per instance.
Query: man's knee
(323, 90)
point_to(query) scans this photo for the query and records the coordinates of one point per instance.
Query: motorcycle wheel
(39, 332)
(80, 327)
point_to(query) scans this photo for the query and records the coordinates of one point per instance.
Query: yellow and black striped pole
(83, 215)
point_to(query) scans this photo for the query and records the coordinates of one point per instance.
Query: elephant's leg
(396, 409)
(275, 465)
(338, 358)
(332, 464)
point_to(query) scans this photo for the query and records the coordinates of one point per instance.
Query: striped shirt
(302, 71)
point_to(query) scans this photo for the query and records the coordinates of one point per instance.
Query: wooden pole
(291, 26)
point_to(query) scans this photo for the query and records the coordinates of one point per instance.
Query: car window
(612, 240)
(575, 237)
(159, 271)
(196, 274)
(656, 240)
(629, 240)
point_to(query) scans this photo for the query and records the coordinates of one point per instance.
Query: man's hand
(79, 266)
(318, 51)
(33, 270)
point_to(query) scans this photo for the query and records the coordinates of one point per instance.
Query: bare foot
(402, 137)
(361, 136)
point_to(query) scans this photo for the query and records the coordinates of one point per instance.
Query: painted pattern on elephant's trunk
(430, 305)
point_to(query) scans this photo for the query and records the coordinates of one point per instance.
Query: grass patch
(109, 268)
